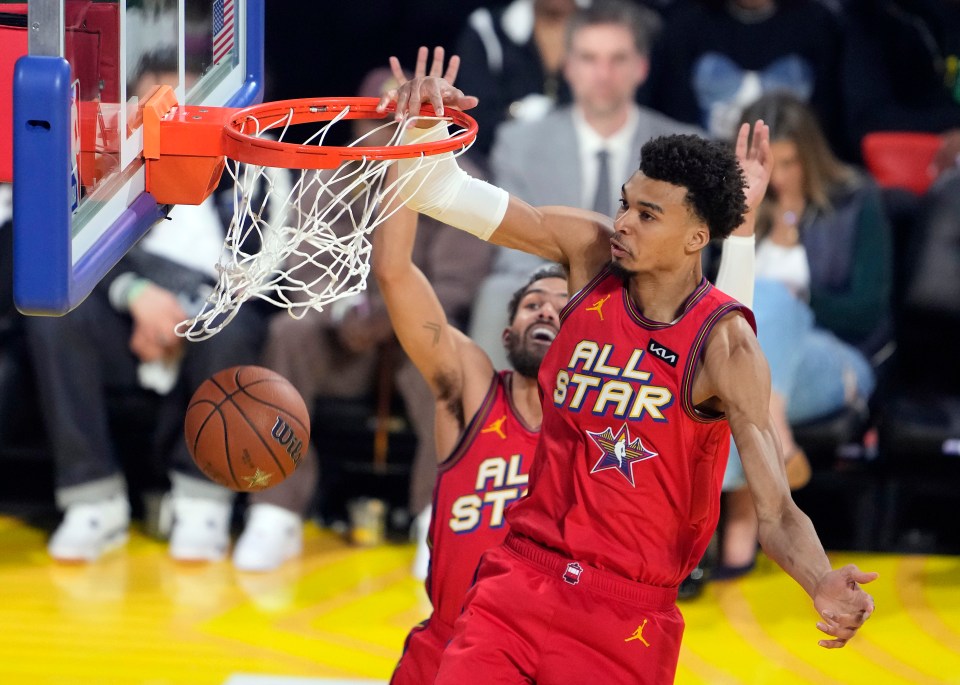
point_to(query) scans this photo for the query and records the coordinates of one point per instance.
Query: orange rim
(241, 143)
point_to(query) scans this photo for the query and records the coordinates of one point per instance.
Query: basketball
(246, 428)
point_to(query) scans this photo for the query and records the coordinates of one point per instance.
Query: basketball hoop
(317, 251)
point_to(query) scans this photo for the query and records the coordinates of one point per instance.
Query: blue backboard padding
(53, 285)
(41, 192)
(123, 234)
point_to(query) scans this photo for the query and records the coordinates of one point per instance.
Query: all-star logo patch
(663, 352)
(619, 452)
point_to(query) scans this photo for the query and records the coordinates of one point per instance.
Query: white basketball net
(314, 252)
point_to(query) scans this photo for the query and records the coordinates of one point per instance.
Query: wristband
(737, 272)
(438, 187)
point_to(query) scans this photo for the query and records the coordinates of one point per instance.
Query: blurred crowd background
(858, 292)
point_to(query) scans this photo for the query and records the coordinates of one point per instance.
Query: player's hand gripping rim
(435, 87)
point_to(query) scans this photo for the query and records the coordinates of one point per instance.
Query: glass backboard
(78, 172)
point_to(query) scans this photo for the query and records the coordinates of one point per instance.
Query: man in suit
(574, 155)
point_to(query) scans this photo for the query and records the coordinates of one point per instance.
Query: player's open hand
(435, 87)
(756, 160)
(842, 604)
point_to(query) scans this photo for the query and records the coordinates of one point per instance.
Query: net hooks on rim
(303, 243)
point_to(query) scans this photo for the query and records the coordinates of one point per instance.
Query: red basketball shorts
(535, 616)
(422, 652)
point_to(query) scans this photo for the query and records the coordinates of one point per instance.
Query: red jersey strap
(693, 358)
(475, 425)
(583, 292)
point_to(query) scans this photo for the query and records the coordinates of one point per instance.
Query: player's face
(535, 324)
(655, 230)
(604, 68)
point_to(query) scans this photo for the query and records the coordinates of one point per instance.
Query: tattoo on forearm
(436, 331)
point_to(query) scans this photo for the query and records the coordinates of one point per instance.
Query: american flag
(224, 13)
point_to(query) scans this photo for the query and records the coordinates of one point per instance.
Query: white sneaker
(201, 529)
(272, 536)
(91, 529)
(420, 529)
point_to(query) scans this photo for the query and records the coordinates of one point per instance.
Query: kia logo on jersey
(666, 354)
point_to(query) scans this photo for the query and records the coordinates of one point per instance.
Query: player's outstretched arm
(578, 239)
(738, 375)
(417, 316)
(455, 368)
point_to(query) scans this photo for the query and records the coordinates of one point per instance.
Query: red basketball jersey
(627, 474)
(487, 471)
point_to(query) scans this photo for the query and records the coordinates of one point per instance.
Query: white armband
(737, 272)
(439, 188)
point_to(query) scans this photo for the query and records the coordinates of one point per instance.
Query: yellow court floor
(340, 615)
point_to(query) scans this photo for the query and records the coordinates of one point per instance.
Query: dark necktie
(601, 200)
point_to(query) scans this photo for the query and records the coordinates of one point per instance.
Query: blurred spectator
(122, 336)
(935, 288)
(511, 60)
(335, 354)
(6, 254)
(714, 57)
(556, 161)
(927, 302)
(822, 299)
(901, 71)
(12, 369)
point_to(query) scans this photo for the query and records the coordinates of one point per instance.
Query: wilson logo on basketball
(283, 434)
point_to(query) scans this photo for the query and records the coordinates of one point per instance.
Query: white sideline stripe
(240, 679)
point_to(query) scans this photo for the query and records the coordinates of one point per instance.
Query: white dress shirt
(589, 142)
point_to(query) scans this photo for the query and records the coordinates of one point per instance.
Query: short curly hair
(546, 271)
(708, 170)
